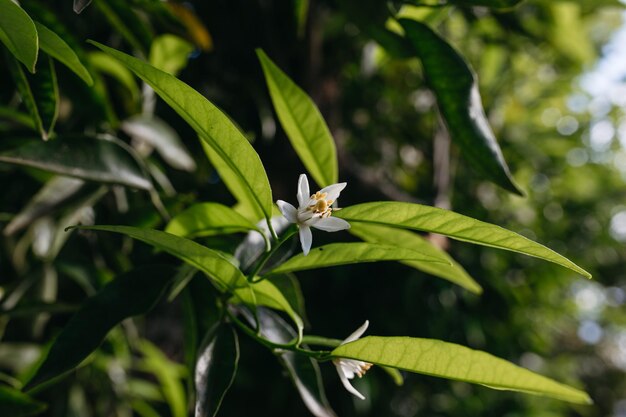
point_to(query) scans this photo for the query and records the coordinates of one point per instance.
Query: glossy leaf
(18, 33)
(14, 403)
(264, 293)
(51, 195)
(80, 5)
(39, 92)
(454, 83)
(215, 370)
(452, 271)
(303, 123)
(130, 294)
(105, 64)
(206, 219)
(454, 225)
(56, 47)
(350, 253)
(162, 137)
(170, 53)
(86, 158)
(303, 371)
(211, 262)
(448, 360)
(213, 126)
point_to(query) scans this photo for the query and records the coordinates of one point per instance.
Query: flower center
(321, 206)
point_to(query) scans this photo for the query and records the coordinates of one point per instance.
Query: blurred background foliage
(553, 82)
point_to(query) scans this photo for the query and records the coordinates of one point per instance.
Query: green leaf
(264, 293)
(301, 12)
(211, 262)
(215, 370)
(350, 253)
(130, 294)
(494, 4)
(454, 83)
(123, 18)
(448, 360)
(39, 92)
(213, 126)
(170, 53)
(105, 64)
(302, 122)
(207, 219)
(169, 375)
(17, 404)
(53, 45)
(289, 286)
(18, 33)
(86, 158)
(162, 137)
(452, 271)
(454, 225)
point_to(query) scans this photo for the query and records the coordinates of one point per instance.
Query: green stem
(267, 255)
(320, 341)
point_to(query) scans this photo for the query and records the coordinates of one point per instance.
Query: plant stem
(267, 255)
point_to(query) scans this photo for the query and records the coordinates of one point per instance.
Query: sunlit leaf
(105, 64)
(454, 225)
(302, 122)
(350, 253)
(56, 47)
(170, 53)
(452, 271)
(130, 294)
(211, 262)
(162, 137)
(86, 158)
(18, 33)
(215, 371)
(206, 219)
(213, 126)
(448, 360)
(14, 403)
(454, 83)
(39, 92)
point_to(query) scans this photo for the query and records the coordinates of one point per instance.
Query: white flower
(313, 211)
(348, 368)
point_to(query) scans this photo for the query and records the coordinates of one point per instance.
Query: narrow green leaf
(454, 83)
(107, 65)
(302, 122)
(169, 375)
(18, 33)
(14, 403)
(289, 286)
(39, 92)
(448, 360)
(451, 271)
(53, 45)
(211, 262)
(130, 294)
(264, 293)
(86, 158)
(213, 126)
(494, 4)
(170, 53)
(350, 253)
(123, 18)
(215, 370)
(207, 219)
(301, 12)
(454, 225)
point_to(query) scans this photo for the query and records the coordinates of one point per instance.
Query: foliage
(159, 127)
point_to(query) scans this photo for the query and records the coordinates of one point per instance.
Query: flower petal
(357, 333)
(289, 211)
(303, 190)
(346, 383)
(331, 224)
(333, 190)
(306, 239)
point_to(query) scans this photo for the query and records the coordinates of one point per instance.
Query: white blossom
(348, 368)
(314, 210)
